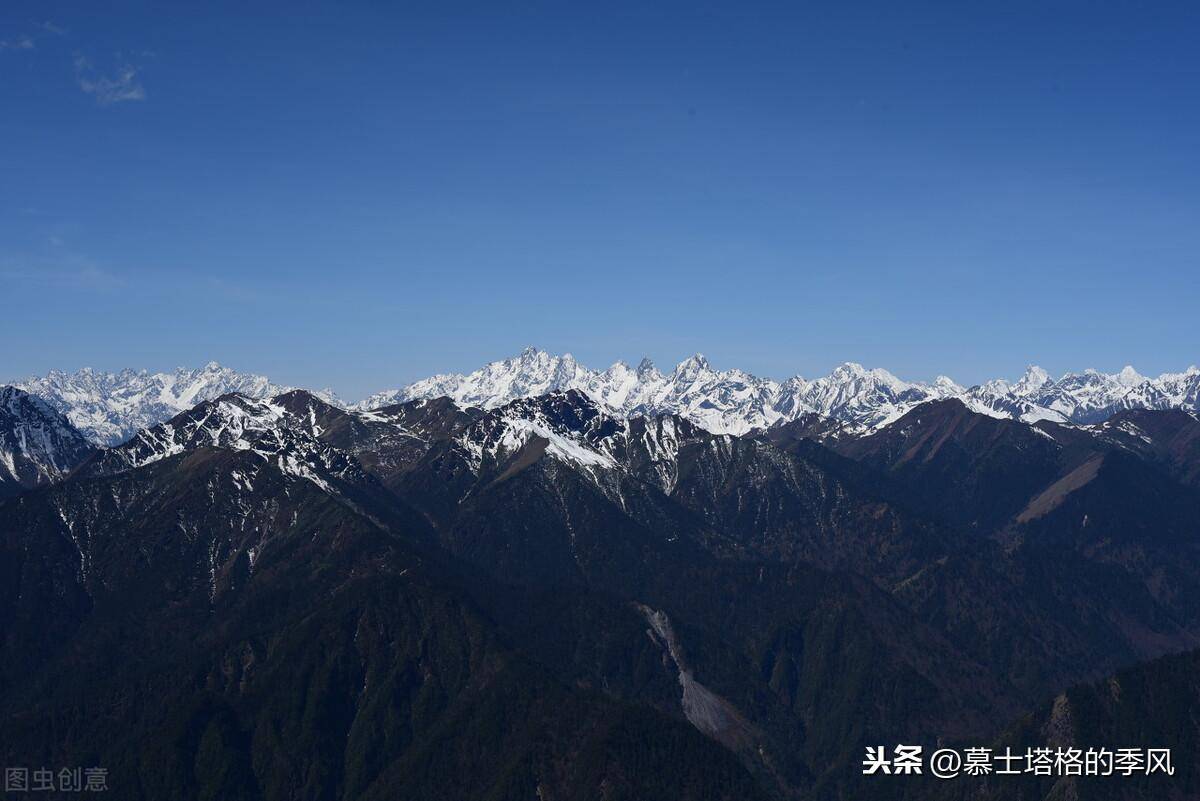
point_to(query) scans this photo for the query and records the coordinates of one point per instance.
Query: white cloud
(108, 89)
(20, 43)
(27, 42)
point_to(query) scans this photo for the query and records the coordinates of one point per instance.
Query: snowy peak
(848, 371)
(691, 368)
(284, 431)
(948, 386)
(565, 424)
(532, 372)
(1087, 397)
(864, 399)
(38, 445)
(1128, 377)
(1034, 379)
(735, 402)
(723, 401)
(646, 371)
(569, 428)
(109, 408)
(231, 421)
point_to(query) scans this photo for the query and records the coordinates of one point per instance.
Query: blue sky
(356, 195)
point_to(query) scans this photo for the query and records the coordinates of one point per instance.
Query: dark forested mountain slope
(280, 598)
(970, 469)
(1152, 705)
(219, 636)
(1170, 437)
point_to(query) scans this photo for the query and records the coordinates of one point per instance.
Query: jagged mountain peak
(849, 370)
(301, 401)
(231, 420)
(1130, 377)
(853, 371)
(1034, 379)
(109, 408)
(38, 445)
(692, 365)
(571, 430)
(15, 401)
(948, 384)
(733, 401)
(283, 430)
(536, 359)
(562, 422)
(647, 369)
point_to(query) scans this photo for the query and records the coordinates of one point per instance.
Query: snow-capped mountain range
(735, 402)
(110, 408)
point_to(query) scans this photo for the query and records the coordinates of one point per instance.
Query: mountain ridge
(765, 590)
(38, 445)
(109, 408)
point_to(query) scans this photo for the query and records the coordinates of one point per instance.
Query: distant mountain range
(110, 407)
(277, 597)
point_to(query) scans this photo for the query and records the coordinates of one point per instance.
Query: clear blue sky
(361, 194)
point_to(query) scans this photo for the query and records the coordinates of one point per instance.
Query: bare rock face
(38, 446)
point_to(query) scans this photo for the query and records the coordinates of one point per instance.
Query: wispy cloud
(50, 27)
(19, 43)
(118, 87)
(75, 277)
(26, 41)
